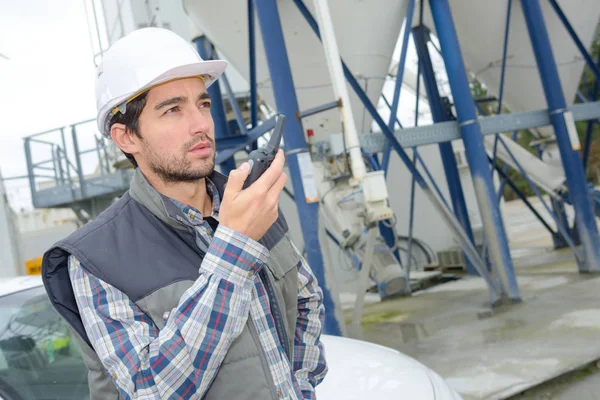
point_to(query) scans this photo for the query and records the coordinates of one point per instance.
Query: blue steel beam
(504, 53)
(585, 220)
(558, 219)
(494, 290)
(474, 148)
(399, 79)
(522, 196)
(318, 109)
(590, 62)
(295, 144)
(388, 232)
(252, 136)
(217, 107)
(234, 105)
(252, 62)
(439, 114)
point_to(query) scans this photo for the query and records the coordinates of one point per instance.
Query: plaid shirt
(182, 359)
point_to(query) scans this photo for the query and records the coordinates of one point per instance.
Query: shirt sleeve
(182, 358)
(309, 362)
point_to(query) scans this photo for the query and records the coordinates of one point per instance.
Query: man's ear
(126, 141)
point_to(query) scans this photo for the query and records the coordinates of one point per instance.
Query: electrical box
(336, 144)
(374, 187)
(376, 197)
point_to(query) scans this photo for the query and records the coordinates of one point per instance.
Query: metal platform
(62, 173)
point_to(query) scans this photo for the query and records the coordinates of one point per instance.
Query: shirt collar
(192, 215)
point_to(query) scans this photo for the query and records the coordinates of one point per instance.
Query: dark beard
(178, 170)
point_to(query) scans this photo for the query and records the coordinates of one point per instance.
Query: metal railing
(61, 172)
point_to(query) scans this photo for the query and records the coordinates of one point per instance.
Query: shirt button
(166, 315)
(279, 394)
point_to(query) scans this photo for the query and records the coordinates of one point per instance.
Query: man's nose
(200, 122)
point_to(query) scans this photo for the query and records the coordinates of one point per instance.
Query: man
(188, 286)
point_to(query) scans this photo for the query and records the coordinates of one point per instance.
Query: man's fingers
(280, 184)
(236, 180)
(272, 174)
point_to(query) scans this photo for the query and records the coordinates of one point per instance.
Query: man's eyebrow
(204, 96)
(171, 101)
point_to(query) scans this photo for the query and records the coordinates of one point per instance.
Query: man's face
(177, 132)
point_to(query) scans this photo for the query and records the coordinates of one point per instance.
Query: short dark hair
(130, 119)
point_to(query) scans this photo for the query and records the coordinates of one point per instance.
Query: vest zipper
(276, 312)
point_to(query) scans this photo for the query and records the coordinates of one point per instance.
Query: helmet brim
(210, 69)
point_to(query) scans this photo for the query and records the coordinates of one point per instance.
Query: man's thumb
(237, 177)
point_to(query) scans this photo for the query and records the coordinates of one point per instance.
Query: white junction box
(376, 196)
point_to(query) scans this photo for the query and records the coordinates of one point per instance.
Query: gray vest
(136, 247)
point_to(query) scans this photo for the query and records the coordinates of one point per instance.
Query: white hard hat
(141, 60)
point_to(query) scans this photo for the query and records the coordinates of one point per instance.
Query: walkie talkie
(262, 158)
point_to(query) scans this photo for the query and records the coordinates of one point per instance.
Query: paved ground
(583, 384)
(552, 336)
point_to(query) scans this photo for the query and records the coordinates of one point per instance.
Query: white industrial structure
(9, 245)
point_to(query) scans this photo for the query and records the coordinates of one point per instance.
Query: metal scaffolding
(493, 262)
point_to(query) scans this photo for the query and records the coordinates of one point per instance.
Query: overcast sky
(48, 81)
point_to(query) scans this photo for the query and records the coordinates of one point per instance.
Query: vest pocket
(283, 258)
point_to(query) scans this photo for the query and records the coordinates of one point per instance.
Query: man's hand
(253, 210)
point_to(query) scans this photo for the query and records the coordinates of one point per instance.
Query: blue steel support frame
(399, 78)
(474, 148)
(585, 220)
(439, 114)
(388, 232)
(590, 62)
(495, 291)
(252, 66)
(295, 143)
(217, 107)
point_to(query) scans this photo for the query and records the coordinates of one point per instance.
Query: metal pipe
(362, 283)
(566, 136)
(296, 146)
(474, 148)
(423, 165)
(252, 136)
(100, 161)
(504, 169)
(590, 62)
(97, 25)
(504, 53)
(37, 165)
(522, 196)
(401, 64)
(82, 183)
(560, 225)
(40, 141)
(440, 114)
(318, 109)
(234, 105)
(217, 108)
(252, 61)
(388, 233)
(332, 55)
(30, 173)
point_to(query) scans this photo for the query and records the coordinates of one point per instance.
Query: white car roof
(16, 284)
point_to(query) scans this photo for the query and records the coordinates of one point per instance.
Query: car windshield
(39, 357)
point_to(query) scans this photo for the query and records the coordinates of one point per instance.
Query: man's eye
(205, 104)
(172, 110)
